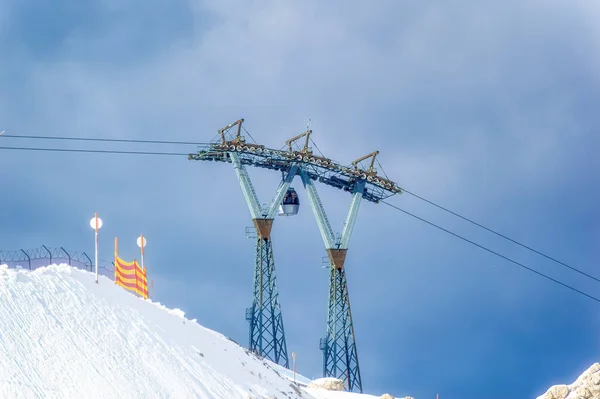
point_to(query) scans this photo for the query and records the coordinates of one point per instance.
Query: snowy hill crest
(62, 335)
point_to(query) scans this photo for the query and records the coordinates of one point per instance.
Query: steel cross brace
(250, 194)
(336, 249)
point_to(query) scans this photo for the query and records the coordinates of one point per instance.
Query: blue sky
(489, 109)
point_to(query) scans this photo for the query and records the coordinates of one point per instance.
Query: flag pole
(135, 266)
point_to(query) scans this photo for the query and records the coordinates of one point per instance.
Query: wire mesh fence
(43, 256)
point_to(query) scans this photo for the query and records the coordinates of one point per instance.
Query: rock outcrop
(388, 396)
(587, 386)
(330, 384)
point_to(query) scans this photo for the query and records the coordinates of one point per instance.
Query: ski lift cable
(104, 140)
(91, 139)
(86, 150)
(503, 236)
(81, 150)
(317, 147)
(493, 252)
(247, 132)
(381, 167)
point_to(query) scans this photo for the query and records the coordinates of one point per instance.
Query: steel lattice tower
(340, 359)
(267, 336)
(266, 331)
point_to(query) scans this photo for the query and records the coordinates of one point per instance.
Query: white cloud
(412, 82)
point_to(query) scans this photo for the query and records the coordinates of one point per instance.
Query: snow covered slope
(64, 336)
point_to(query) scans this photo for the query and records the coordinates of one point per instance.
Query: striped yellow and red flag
(130, 275)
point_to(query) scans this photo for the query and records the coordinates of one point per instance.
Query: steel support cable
(247, 132)
(503, 236)
(492, 252)
(496, 233)
(103, 140)
(93, 151)
(315, 144)
(193, 143)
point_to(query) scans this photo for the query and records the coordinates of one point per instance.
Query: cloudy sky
(487, 108)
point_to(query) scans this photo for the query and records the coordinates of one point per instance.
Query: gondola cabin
(290, 203)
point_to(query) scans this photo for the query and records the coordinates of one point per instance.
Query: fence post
(88, 258)
(68, 256)
(49, 253)
(28, 258)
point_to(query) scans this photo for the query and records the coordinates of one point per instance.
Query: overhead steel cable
(247, 132)
(315, 144)
(197, 143)
(492, 251)
(104, 140)
(495, 232)
(93, 151)
(503, 236)
(82, 150)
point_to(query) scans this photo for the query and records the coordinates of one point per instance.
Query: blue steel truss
(318, 168)
(267, 337)
(340, 358)
(266, 333)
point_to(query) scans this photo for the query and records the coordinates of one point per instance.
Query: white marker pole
(141, 242)
(96, 223)
(294, 357)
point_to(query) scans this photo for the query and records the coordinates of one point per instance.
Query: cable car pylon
(266, 331)
(340, 357)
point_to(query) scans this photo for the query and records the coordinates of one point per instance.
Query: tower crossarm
(371, 170)
(324, 170)
(281, 190)
(318, 210)
(305, 134)
(237, 138)
(247, 187)
(352, 214)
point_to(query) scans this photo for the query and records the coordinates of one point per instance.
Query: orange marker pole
(142, 246)
(116, 255)
(135, 267)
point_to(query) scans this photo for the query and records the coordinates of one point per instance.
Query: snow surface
(63, 335)
(323, 394)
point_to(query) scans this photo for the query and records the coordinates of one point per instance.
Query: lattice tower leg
(267, 337)
(340, 358)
